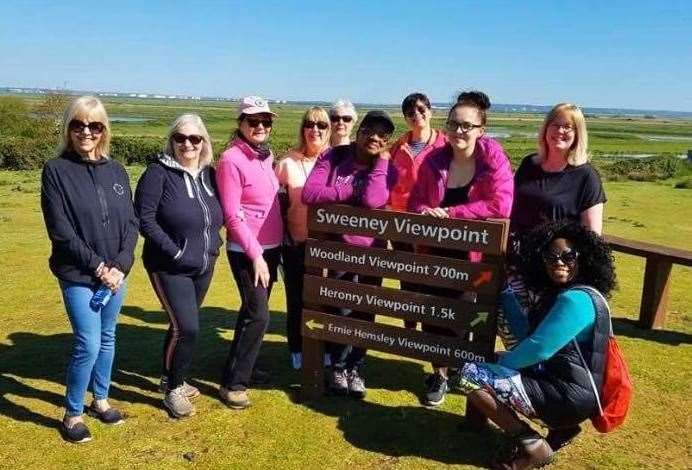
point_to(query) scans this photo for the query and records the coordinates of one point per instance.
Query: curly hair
(595, 263)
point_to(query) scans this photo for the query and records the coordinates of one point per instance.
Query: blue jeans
(93, 350)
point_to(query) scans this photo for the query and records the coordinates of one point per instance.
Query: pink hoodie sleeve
(316, 189)
(381, 179)
(496, 189)
(229, 183)
(418, 200)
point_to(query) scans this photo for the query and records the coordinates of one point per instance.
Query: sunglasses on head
(255, 122)
(335, 118)
(568, 257)
(78, 126)
(321, 125)
(181, 138)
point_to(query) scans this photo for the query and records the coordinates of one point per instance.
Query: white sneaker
(297, 360)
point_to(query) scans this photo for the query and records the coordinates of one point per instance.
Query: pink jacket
(248, 191)
(490, 192)
(407, 167)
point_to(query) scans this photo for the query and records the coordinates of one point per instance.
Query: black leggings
(347, 356)
(181, 297)
(253, 318)
(293, 272)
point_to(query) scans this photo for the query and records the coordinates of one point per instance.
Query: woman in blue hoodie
(87, 208)
(180, 218)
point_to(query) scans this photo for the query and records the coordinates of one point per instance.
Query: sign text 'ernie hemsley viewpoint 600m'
(400, 226)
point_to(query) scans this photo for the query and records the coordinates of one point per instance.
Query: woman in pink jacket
(248, 190)
(469, 178)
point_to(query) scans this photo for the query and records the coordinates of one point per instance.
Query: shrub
(22, 153)
(645, 169)
(135, 150)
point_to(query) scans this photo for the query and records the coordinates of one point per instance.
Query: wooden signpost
(470, 316)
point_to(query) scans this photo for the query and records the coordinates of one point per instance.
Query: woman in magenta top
(248, 190)
(359, 174)
(469, 178)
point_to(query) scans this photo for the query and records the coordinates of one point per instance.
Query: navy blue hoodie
(87, 208)
(180, 218)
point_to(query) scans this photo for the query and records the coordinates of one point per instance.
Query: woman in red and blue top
(248, 191)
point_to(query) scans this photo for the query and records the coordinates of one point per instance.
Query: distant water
(128, 119)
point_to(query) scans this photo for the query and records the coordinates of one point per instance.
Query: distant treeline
(29, 137)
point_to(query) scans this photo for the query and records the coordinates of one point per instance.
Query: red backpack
(616, 391)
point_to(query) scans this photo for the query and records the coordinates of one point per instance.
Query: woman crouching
(548, 375)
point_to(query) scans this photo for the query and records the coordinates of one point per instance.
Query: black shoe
(77, 434)
(558, 438)
(436, 389)
(110, 416)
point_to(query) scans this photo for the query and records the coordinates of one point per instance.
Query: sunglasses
(466, 127)
(334, 118)
(369, 132)
(568, 257)
(412, 112)
(181, 138)
(255, 122)
(321, 125)
(78, 126)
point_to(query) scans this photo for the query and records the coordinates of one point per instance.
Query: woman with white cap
(248, 190)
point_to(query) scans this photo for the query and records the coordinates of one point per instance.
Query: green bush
(645, 169)
(135, 150)
(22, 153)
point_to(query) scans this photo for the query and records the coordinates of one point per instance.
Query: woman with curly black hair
(552, 375)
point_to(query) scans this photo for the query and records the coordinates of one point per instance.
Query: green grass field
(388, 430)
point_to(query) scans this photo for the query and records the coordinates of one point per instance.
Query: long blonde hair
(207, 154)
(578, 153)
(86, 108)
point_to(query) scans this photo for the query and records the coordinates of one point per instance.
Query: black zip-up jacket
(560, 388)
(87, 208)
(180, 218)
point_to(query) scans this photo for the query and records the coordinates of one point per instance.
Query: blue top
(573, 315)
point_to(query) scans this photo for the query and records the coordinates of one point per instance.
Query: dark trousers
(347, 356)
(409, 286)
(253, 318)
(293, 261)
(181, 297)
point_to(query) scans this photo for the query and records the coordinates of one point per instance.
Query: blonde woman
(180, 218)
(292, 173)
(558, 182)
(343, 117)
(87, 209)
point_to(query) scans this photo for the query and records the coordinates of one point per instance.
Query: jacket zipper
(101, 197)
(207, 223)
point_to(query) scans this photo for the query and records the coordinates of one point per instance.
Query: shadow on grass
(404, 431)
(631, 329)
(393, 431)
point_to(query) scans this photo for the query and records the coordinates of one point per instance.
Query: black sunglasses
(412, 111)
(453, 126)
(568, 257)
(78, 126)
(255, 122)
(181, 138)
(321, 125)
(334, 118)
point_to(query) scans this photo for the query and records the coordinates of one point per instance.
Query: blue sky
(628, 54)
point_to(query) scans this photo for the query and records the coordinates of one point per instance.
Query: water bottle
(100, 298)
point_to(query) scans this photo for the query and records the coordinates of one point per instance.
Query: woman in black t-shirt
(557, 183)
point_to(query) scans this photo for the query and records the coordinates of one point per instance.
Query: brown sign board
(458, 234)
(451, 313)
(423, 269)
(404, 342)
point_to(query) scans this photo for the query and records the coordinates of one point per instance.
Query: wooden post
(313, 369)
(652, 313)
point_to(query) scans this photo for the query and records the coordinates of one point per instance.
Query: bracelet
(99, 269)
